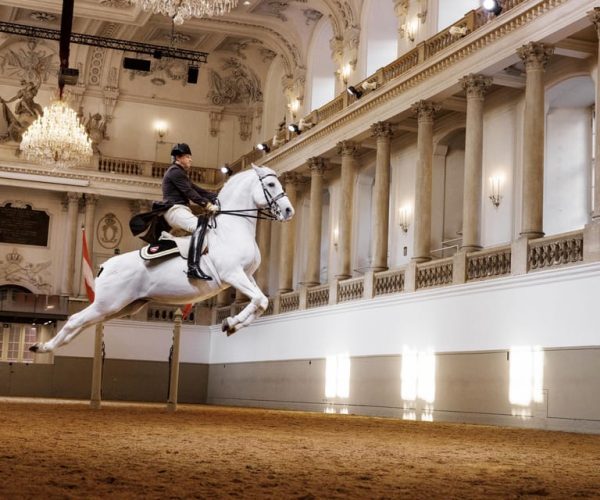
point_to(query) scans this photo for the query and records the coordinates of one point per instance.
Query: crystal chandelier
(57, 138)
(180, 10)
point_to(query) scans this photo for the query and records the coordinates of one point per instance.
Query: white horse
(126, 282)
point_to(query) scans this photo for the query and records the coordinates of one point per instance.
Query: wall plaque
(23, 225)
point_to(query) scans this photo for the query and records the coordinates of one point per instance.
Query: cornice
(518, 17)
(88, 182)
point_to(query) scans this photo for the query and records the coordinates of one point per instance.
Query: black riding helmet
(180, 150)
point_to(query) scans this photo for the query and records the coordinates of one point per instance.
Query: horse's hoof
(226, 327)
(34, 348)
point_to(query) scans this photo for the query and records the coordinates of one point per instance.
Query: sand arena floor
(50, 450)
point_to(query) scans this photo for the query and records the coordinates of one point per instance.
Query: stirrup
(194, 272)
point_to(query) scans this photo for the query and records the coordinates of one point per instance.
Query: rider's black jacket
(178, 189)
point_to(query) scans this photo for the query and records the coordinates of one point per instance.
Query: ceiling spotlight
(292, 127)
(226, 170)
(353, 91)
(492, 6)
(263, 146)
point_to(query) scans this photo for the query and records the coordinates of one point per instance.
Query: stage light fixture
(226, 170)
(136, 64)
(292, 127)
(263, 146)
(192, 76)
(353, 91)
(492, 6)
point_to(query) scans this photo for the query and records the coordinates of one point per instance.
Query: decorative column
(535, 56)
(475, 86)
(348, 150)
(288, 236)
(90, 213)
(595, 18)
(382, 131)
(72, 205)
(313, 268)
(263, 237)
(425, 111)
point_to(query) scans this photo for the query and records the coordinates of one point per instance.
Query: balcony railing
(555, 251)
(154, 170)
(489, 263)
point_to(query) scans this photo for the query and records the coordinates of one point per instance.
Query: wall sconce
(346, 72)
(294, 128)
(404, 218)
(410, 29)
(226, 170)
(336, 236)
(160, 127)
(496, 189)
(294, 106)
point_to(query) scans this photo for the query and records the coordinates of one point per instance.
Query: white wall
(531, 310)
(403, 160)
(150, 341)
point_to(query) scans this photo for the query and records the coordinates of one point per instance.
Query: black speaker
(136, 64)
(192, 74)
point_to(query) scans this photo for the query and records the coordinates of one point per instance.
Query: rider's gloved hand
(211, 208)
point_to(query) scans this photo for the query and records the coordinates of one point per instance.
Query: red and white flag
(87, 270)
(186, 311)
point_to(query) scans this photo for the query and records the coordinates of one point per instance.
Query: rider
(178, 190)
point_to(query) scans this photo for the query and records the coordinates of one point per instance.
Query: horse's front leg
(258, 303)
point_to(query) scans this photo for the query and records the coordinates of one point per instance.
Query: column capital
(316, 164)
(139, 206)
(293, 178)
(382, 130)
(91, 199)
(425, 110)
(594, 16)
(347, 148)
(69, 199)
(535, 55)
(476, 86)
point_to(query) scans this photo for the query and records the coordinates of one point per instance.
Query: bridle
(271, 201)
(274, 212)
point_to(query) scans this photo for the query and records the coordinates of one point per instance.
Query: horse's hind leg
(74, 325)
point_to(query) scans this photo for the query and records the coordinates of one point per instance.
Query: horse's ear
(256, 168)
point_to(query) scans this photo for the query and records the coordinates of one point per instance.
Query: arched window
(568, 159)
(321, 66)
(450, 11)
(274, 110)
(380, 34)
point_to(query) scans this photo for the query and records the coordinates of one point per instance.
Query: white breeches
(181, 217)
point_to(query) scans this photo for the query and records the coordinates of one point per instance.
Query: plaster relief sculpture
(28, 63)
(110, 231)
(95, 126)
(12, 125)
(237, 84)
(14, 270)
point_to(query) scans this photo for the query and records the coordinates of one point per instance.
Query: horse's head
(269, 194)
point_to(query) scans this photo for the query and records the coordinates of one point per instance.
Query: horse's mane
(241, 176)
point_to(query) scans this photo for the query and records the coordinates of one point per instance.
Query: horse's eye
(271, 184)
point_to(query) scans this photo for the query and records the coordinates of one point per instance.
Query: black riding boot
(194, 270)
